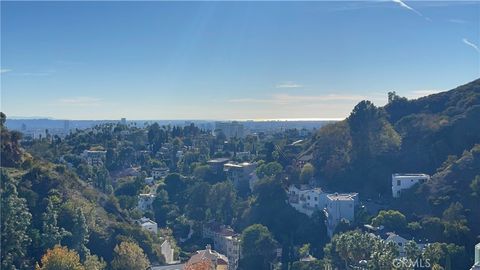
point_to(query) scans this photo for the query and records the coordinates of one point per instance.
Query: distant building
(245, 155)
(158, 173)
(400, 242)
(66, 126)
(240, 173)
(216, 165)
(145, 201)
(476, 263)
(303, 159)
(123, 121)
(306, 200)
(168, 251)
(149, 180)
(207, 259)
(340, 207)
(225, 240)
(230, 129)
(402, 181)
(336, 206)
(148, 224)
(94, 157)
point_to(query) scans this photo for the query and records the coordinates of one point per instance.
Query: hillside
(52, 205)
(361, 152)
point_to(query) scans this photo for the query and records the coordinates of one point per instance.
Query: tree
(52, 234)
(222, 202)
(392, 219)
(15, 223)
(128, 255)
(175, 185)
(60, 258)
(350, 248)
(269, 169)
(80, 234)
(93, 262)
(307, 173)
(258, 247)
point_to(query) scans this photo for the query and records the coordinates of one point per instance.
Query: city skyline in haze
(230, 60)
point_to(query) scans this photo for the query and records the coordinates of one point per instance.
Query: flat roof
(409, 174)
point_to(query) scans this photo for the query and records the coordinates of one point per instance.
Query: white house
(168, 252)
(145, 201)
(340, 207)
(148, 224)
(402, 181)
(306, 200)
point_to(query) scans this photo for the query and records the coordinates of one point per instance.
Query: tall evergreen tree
(52, 234)
(80, 234)
(15, 223)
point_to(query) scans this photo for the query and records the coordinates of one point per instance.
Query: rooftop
(410, 174)
(342, 196)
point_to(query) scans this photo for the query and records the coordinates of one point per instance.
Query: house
(167, 251)
(148, 180)
(306, 200)
(207, 259)
(240, 173)
(216, 165)
(225, 240)
(245, 155)
(340, 207)
(303, 159)
(476, 263)
(402, 181)
(400, 242)
(158, 173)
(94, 157)
(148, 224)
(336, 206)
(145, 201)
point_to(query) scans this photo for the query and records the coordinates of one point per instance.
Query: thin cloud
(288, 84)
(4, 70)
(457, 21)
(80, 101)
(283, 99)
(468, 43)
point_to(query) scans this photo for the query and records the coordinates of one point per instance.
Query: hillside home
(207, 259)
(94, 157)
(148, 225)
(225, 240)
(340, 207)
(145, 201)
(240, 173)
(402, 181)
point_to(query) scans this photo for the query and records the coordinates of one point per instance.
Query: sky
(229, 60)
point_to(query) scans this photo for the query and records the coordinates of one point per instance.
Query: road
(168, 267)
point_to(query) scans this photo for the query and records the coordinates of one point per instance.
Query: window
(315, 198)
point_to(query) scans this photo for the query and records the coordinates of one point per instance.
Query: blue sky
(229, 60)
